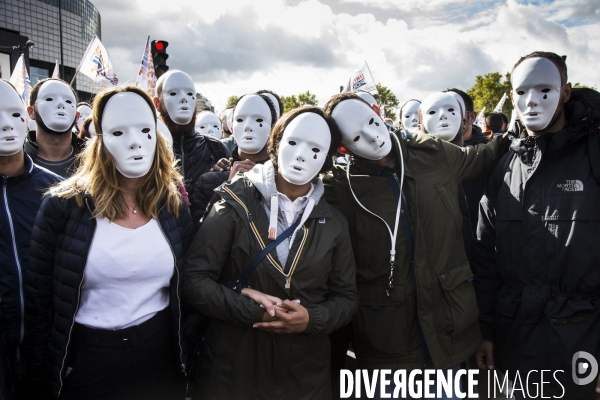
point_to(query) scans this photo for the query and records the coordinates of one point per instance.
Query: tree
(303, 99)
(488, 90)
(231, 100)
(579, 85)
(385, 98)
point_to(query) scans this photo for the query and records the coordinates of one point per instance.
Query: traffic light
(159, 57)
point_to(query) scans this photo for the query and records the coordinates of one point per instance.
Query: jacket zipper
(76, 309)
(178, 301)
(19, 270)
(182, 159)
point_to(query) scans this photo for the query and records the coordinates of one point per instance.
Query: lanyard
(394, 234)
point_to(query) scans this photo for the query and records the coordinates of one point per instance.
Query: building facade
(40, 21)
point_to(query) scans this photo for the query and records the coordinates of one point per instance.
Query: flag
(146, 77)
(56, 73)
(96, 65)
(382, 112)
(20, 80)
(500, 105)
(361, 79)
(480, 118)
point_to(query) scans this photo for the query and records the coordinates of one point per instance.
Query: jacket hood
(477, 137)
(263, 177)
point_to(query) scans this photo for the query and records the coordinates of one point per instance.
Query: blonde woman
(104, 275)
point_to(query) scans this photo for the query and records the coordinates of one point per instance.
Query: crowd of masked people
(152, 252)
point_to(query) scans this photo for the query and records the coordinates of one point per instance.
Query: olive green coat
(245, 363)
(440, 298)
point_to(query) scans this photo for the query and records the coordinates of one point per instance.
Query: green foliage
(303, 99)
(231, 100)
(385, 98)
(579, 85)
(489, 89)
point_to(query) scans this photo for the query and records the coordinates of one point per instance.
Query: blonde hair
(98, 176)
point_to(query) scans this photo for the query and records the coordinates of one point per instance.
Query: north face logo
(571, 186)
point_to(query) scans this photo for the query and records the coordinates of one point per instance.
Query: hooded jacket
(538, 257)
(243, 362)
(19, 203)
(433, 300)
(60, 243)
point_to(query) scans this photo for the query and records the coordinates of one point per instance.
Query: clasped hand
(281, 316)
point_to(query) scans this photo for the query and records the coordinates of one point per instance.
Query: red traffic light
(160, 46)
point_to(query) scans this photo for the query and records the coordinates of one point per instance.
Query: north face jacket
(246, 363)
(20, 200)
(538, 250)
(433, 299)
(60, 242)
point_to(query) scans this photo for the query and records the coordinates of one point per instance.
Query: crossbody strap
(239, 284)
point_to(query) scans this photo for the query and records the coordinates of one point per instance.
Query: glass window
(37, 74)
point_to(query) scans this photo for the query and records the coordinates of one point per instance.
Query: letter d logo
(583, 368)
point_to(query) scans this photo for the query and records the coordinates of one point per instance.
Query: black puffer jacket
(197, 154)
(60, 242)
(538, 254)
(204, 190)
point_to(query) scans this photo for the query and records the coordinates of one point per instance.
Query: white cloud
(235, 47)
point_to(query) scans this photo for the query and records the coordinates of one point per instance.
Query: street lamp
(21, 47)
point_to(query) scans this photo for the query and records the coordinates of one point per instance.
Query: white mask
(209, 124)
(441, 115)
(164, 131)
(129, 133)
(84, 112)
(303, 148)
(56, 106)
(275, 103)
(13, 121)
(536, 92)
(460, 101)
(363, 131)
(251, 123)
(410, 116)
(179, 97)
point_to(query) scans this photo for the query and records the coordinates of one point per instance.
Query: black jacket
(469, 195)
(20, 200)
(538, 257)
(197, 154)
(204, 190)
(60, 242)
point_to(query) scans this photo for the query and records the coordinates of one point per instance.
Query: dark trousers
(140, 362)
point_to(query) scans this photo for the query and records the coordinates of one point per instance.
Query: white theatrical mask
(84, 111)
(165, 132)
(56, 105)
(13, 121)
(410, 116)
(536, 92)
(363, 130)
(303, 148)
(275, 103)
(440, 113)
(251, 123)
(129, 133)
(460, 101)
(208, 123)
(179, 97)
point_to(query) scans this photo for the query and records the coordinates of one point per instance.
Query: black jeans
(141, 362)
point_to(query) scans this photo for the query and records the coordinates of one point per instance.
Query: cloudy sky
(415, 47)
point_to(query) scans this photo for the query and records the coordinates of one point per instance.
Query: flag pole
(81, 62)
(370, 73)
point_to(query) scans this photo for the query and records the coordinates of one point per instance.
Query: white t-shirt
(127, 276)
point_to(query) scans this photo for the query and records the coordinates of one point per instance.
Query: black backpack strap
(215, 147)
(594, 153)
(239, 284)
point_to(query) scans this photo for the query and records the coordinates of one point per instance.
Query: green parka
(436, 301)
(241, 362)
